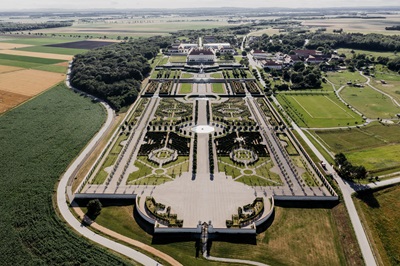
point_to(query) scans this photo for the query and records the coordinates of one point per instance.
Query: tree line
(12, 26)
(115, 72)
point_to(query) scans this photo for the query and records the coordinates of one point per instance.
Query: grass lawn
(341, 78)
(314, 239)
(318, 110)
(217, 75)
(377, 160)
(380, 214)
(185, 88)
(374, 146)
(39, 139)
(186, 75)
(348, 53)
(53, 50)
(143, 170)
(121, 220)
(252, 180)
(392, 83)
(177, 59)
(296, 237)
(152, 180)
(370, 102)
(227, 166)
(218, 88)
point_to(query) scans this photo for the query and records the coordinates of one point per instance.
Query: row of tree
(12, 26)
(115, 72)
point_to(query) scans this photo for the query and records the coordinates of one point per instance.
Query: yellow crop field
(8, 46)
(5, 69)
(28, 82)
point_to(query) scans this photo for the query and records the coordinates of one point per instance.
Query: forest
(114, 73)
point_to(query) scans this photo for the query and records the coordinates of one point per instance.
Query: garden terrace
(163, 215)
(172, 109)
(154, 140)
(178, 143)
(246, 215)
(232, 109)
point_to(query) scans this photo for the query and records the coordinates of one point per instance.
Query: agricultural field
(392, 80)
(369, 102)
(19, 85)
(55, 126)
(64, 57)
(309, 110)
(349, 54)
(375, 146)
(136, 27)
(313, 234)
(356, 25)
(379, 212)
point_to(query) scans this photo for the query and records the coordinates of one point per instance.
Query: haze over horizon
(19, 5)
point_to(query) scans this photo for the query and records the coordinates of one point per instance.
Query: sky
(125, 4)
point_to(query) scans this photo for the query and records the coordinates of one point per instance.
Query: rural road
(63, 205)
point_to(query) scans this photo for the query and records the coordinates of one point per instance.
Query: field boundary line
(302, 107)
(339, 107)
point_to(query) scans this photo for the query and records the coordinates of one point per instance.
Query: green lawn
(296, 237)
(375, 146)
(177, 59)
(143, 170)
(348, 53)
(218, 88)
(340, 78)
(318, 110)
(217, 75)
(53, 50)
(380, 214)
(370, 102)
(186, 75)
(185, 88)
(38, 141)
(314, 239)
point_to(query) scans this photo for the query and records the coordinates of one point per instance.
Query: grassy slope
(380, 213)
(38, 141)
(313, 241)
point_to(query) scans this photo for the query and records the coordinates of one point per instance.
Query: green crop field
(29, 59)
(39, 40)
(318, 110)
(38, 141)
(218, 88)
(375, 146)
(185, 88)
(53, 50)
(52, 68)
(370, 102)
(380, 214)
